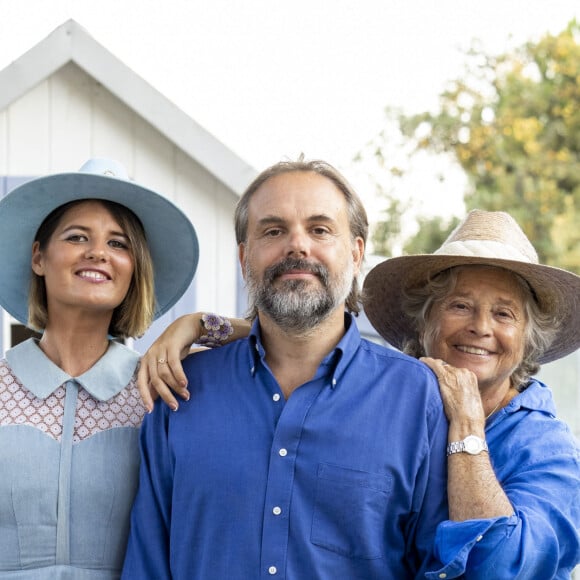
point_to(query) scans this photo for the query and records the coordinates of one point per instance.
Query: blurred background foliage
(512, 123)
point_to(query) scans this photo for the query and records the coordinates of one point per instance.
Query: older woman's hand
(459, 391)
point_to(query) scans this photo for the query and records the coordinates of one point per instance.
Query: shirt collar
(336, 360)
(107, 377)
(536, 397)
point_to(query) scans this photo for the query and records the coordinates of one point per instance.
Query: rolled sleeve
(537, 462)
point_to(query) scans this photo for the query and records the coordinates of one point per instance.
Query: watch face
(472, 445)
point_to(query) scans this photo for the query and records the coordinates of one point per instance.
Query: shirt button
(479, 538)
(442, 575)
(276, 397)
(272, 570)
(283, 452)
(277, 511)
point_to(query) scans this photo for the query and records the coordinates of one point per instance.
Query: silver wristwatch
(471, 444)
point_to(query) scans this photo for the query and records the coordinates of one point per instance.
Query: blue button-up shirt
(344, 480)
(537, 461)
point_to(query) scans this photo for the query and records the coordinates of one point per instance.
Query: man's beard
(296, 305)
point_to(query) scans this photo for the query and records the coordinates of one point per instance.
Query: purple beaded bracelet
(217, 330)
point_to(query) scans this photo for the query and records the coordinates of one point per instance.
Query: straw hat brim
(170, 234)
(557, 292)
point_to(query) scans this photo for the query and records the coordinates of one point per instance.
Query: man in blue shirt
(304, 451)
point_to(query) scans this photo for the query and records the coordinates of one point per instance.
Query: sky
(272, 79)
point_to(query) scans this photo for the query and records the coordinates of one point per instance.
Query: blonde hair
(134, 315)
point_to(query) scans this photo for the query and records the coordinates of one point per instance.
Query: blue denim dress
(69, 463)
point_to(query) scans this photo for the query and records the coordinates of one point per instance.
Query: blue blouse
(344, 480)
(537, 461)
(69, 465)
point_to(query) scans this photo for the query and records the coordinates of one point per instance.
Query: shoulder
(123, 352)
(393, 369)
(391, 358)
(216, 358)
(8, 380)
(530, 428)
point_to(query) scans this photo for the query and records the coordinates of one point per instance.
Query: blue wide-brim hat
(170, 235)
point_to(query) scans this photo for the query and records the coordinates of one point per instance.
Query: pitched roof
(70, 42)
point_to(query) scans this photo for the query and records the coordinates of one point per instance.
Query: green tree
(512, 122)
(382, 161)
(386, 234)
(432, 233)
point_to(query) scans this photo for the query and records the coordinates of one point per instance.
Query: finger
(148, 377)
(170, 371)
(435, 364)
(147, 395)
(165, 393)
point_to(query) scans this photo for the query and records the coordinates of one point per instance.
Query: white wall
(70, 117)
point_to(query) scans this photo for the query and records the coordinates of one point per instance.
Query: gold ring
(161, 361)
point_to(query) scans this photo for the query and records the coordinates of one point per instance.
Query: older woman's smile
(485, 307)
(473, 350)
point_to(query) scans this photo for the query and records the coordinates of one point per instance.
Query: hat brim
(170, 235)
(557, 292)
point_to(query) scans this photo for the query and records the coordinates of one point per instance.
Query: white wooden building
(69, 99)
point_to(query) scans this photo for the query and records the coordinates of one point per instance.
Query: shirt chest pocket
(350, 510)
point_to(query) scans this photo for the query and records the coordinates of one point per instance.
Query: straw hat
(170, 235)
(482, 238)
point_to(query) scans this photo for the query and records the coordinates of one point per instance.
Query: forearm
(473, 489)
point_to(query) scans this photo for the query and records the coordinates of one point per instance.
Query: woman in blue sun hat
(86, 258)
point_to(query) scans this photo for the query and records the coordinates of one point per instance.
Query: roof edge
(70, 42)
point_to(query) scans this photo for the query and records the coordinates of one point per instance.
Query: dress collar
(107, 377)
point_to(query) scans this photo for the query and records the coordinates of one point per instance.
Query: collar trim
(105, 379)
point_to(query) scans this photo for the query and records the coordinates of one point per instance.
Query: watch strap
(464, 447)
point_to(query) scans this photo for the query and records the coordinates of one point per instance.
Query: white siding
(3, 143)
(69, 117)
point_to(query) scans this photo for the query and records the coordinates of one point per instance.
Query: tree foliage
(512, 122)
(383, 161)
(432, 233)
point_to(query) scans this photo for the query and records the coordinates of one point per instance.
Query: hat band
(484, 249)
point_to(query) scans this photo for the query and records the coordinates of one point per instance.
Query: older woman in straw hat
(93, 248)
(483, 314)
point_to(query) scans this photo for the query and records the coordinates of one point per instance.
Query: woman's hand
(161, 371)
(459, 391)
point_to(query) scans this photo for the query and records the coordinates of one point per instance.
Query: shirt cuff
(454, 542)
